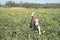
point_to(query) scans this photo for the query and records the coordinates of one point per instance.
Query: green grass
(14, 24)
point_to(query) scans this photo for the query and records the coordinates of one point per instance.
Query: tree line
(30, 5)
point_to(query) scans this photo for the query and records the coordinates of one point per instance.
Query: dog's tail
(31, 24)
(32, 14)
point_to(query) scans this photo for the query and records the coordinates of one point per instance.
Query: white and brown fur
(35, 23)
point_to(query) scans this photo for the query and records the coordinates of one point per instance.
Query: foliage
(14, 24)
(30, 5)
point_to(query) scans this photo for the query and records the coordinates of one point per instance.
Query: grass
(14, 24)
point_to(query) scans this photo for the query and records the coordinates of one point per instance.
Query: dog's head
(36, 21)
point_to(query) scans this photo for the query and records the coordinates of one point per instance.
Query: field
(14, 24)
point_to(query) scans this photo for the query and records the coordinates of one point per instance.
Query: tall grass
(14, 24)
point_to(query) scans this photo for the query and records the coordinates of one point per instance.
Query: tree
(10, 4)
(0, 5)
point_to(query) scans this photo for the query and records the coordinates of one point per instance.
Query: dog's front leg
(39, 30)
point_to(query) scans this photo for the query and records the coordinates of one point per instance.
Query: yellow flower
(44, 31)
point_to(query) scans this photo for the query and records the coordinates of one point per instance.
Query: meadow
(14, 24)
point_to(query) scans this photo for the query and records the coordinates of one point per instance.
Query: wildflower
(44, 31)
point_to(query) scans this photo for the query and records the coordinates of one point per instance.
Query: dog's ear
(33, 20)
(40, 21)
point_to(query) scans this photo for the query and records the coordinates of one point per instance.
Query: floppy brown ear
(33, 20)
(40, 21)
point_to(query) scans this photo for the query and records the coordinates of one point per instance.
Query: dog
(35, 23)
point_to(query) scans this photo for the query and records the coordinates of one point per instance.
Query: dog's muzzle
(36, 24)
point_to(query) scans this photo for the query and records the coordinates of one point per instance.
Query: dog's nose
(36, 25)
